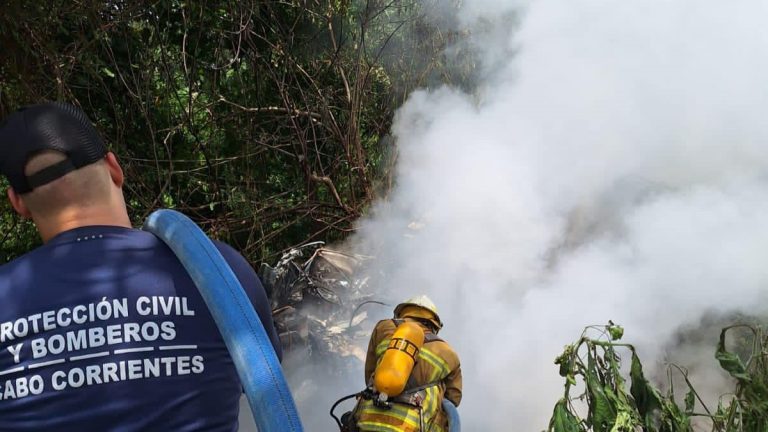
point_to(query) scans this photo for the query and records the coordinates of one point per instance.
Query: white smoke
(615, 167)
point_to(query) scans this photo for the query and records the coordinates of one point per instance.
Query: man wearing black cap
(101, 328)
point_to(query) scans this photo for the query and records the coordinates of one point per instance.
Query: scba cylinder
(392, 373)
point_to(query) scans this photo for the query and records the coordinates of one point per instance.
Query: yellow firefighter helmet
(421, 307)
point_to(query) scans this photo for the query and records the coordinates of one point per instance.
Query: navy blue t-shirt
(101, 329)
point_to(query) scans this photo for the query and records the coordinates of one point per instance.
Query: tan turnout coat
(436, 362)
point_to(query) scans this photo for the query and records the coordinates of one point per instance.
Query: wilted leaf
(730, 361)
(624, 423)
(690, 401)
(615, 331)
(602, 412)
(564, 360)
(563, 421)
(647, 398)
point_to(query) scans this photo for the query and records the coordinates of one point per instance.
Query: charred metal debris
(318, 303)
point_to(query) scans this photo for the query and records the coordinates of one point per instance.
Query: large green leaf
(647, 398)
(563, 420)
(730, 361)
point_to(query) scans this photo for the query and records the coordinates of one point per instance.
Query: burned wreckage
(319, 303)
(323, 304)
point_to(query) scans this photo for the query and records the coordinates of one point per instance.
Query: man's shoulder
(28, 262)
(444, 350)
(230, 254)
(238, 263)
(386, 324)
(244, 271)
(224, 247)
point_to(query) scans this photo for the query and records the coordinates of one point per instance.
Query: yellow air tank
(395, 367)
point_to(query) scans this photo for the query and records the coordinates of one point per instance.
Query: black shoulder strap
(413, 389)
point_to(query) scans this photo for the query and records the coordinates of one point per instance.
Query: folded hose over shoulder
(249, 346)
(454, 422)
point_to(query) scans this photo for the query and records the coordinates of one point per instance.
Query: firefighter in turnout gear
(407, 349)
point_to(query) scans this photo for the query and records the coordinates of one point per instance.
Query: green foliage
(263, 121)
(595, 363)
(749, 409)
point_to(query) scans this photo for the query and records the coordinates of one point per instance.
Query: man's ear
(18, 203)
(115, 171)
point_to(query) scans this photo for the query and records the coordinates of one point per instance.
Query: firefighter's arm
(453, 384)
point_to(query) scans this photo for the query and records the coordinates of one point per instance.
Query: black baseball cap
(49, 126)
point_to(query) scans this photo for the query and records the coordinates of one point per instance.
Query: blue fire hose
(454, 422)
(257, 364)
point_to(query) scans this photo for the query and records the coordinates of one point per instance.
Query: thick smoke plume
(613, 164)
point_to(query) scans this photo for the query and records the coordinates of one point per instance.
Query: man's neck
(68, 221)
